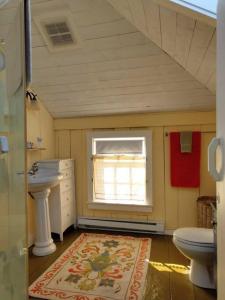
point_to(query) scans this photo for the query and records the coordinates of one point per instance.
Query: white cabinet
(62, 208)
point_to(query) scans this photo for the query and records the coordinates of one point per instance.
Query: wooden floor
(167, 275)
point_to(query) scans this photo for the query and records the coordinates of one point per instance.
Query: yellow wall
(39, 124)
(175, 206)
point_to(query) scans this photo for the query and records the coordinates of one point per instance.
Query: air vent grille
(58, 30)
(59, 34)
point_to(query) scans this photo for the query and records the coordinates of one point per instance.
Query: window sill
(120, 206)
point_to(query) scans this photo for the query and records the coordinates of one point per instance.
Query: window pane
(119, 178)
(207, 7)
(118, 146)
(109, 175)
(123, 192)
(138, 192)
(109, 191)
(138, 175)
(122, 175)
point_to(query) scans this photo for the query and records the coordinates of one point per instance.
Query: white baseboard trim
(121, 225)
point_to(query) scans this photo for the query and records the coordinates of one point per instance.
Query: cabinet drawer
(67, 197)
(65, 164)
(67, 173)
(65, 185)
(68, 216)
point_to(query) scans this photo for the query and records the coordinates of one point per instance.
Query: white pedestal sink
(39, 185)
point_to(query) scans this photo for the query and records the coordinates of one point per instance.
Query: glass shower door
(13, 251)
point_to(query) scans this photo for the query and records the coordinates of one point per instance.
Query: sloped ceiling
(118, 68)
(186, 37)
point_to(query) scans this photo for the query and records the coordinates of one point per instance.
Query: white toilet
(198, 245)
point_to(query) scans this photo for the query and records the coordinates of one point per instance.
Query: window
(119, 169)
(206, 7)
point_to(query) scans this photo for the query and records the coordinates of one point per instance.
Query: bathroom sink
(41, 181)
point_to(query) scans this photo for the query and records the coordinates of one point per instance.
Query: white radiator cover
(121, 225)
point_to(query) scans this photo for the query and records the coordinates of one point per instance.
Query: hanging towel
(185, 167)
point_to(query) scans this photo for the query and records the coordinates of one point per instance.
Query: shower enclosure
(13, 245)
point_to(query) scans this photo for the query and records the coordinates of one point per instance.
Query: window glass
(207, 7)
(119, 169)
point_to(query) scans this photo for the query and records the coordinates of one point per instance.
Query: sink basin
(41, 181)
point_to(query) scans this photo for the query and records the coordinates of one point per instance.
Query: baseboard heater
(121, 225)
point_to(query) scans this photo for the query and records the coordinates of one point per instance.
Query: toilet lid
(195, 235)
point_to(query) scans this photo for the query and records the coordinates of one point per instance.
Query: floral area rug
(97, 267)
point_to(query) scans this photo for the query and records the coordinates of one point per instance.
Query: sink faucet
(33, 169)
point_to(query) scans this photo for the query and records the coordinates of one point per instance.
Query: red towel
(185, 167)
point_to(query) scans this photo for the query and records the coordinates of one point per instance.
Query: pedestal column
(44, 244)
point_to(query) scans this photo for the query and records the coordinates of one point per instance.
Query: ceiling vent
(59, 34)
(58, 30)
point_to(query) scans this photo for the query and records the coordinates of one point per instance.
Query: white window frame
(118, 134)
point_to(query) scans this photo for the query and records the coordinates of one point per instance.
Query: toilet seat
(193, 244)
(201, 237)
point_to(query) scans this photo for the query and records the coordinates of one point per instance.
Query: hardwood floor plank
(158, 281)
(167, 277)
(38, 264)
(179, 282)
(204, 294)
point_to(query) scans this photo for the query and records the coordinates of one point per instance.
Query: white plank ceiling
(189, 41)
(135, 56)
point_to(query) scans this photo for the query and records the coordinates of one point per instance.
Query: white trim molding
(156, 227)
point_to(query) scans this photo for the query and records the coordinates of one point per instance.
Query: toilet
(198, 245)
